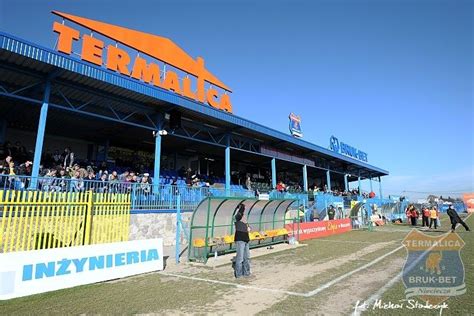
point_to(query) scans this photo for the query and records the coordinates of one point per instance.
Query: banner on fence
(468, 199)
(310, 230)
(31, 272)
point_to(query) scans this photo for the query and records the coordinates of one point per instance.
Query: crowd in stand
(63, 171)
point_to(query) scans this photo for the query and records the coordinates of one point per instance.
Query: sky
(393, 78)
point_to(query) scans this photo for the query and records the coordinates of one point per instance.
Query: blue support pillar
(227, 168)
(157, 163)
(346, 184)
(328, 180)
(380, 188)
(40, 136)
(370, 180)
(274, 173)
(305, 178)
(360, 189)
(156, 169)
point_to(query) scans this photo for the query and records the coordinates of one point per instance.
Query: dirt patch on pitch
(276, 276)
(358, 288)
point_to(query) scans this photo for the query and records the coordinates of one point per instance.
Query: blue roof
(48, 56)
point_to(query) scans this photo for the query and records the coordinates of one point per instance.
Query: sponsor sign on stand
(310, 230)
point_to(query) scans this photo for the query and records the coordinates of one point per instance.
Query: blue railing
(144, 196)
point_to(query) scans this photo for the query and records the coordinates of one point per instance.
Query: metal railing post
(178, 231)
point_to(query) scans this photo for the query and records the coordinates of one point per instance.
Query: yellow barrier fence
(39, 220)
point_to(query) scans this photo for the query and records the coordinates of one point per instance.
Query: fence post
(88, 222)
(178, 223)
(133, 193)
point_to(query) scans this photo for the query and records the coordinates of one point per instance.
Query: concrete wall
(147, 226)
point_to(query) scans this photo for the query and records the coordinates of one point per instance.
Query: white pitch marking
(248, 287)
(348, 274)
(351, 242)
(308, 294)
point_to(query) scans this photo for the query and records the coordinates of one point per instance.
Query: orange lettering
(118, 60)
(200, 79)
(212, 98)
(66, 36)
(147, 73)
(171, 82)
(187, 89)
(225, 103)
(92, 49)
(157, 47)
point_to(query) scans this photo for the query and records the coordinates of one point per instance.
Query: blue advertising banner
(295, 125)
(346, 150)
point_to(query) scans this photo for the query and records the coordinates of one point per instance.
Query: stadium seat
(229, 239)
(255, 236)
(199, 243)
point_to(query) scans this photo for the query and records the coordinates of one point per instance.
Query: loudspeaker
(175, 119)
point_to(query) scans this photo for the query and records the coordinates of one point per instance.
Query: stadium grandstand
(67, 124)
(73, 123)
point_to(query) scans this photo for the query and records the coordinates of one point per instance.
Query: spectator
(189, 179)
(281, 187)
(182, 172)
(25, 168)
(331, 212)
(77, 183)
(103, 185)
(67, 158)
(414, 215)
(124, 175)
(90, 176)
(426, 215)
(11, 168)
(113, 176)
(62, 179)
(56, 157)
(433, 217)
(144, 185)
(248, 183)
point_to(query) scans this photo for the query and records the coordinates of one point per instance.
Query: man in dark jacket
(241, 239)
(331, 212)
(454, 217)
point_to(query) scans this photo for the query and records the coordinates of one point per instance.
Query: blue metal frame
(40, 135)
(328, 179)
(274, 176)
(63, 61)
(360, 188)
(227, 166)
(305, 178)
(156, 167)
